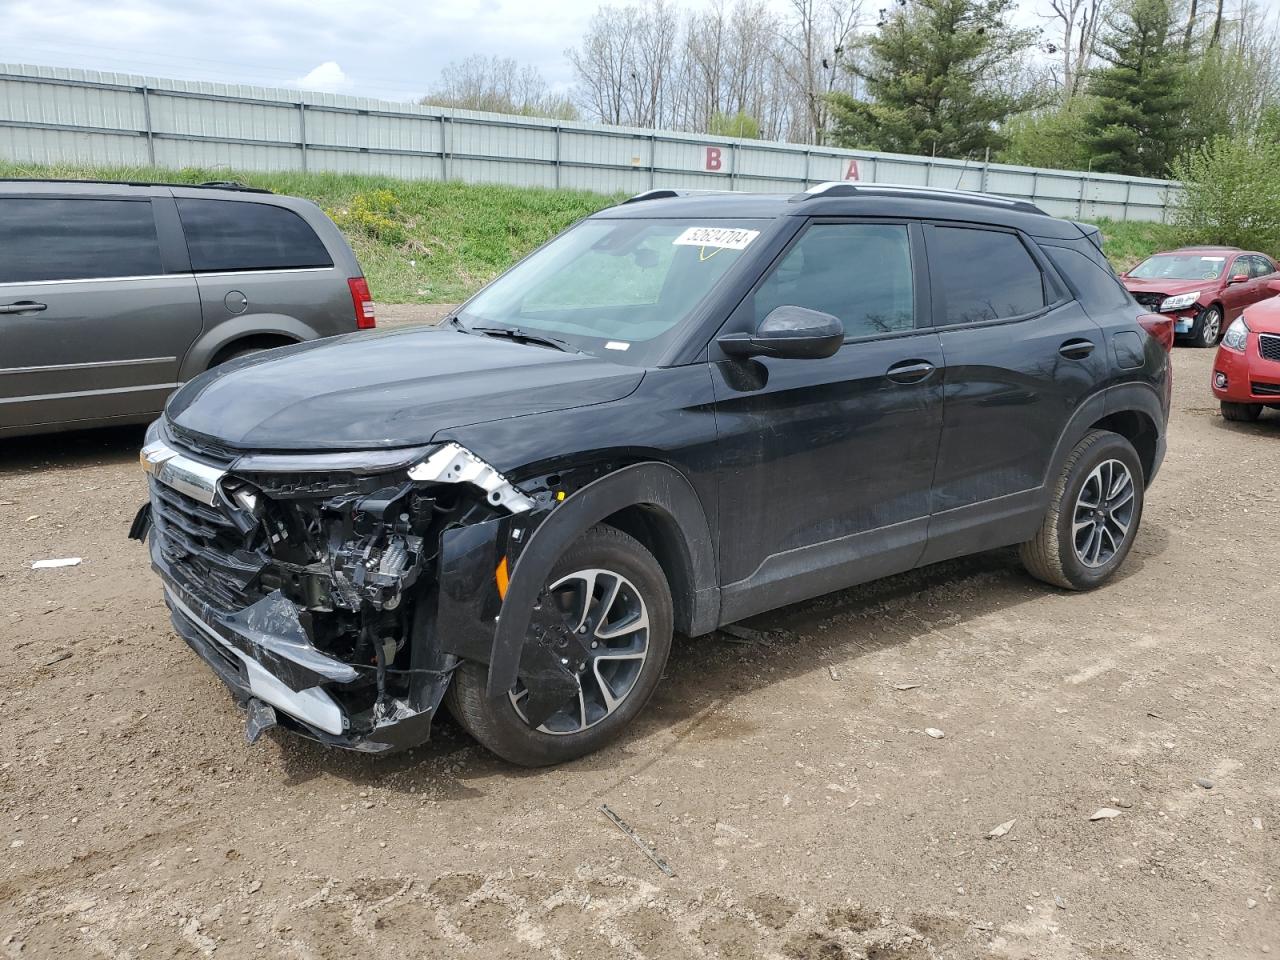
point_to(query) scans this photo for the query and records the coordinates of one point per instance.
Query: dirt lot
(788, 781)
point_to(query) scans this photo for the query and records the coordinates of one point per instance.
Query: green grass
(424, 241)
(1127, 242)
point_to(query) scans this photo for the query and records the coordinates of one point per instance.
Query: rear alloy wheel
(612, 596)
(1093, 515)
(1240, 412)
(1207, 329)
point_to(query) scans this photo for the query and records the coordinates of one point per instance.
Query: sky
(392, 49)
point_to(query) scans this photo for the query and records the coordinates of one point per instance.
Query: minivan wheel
(611, 589)
(1093, 515)
(1207, 328)
(1240, 412)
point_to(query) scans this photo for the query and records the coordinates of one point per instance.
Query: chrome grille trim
(197, 480)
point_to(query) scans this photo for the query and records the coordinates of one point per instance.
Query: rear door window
(1261, 266)
(76, 239)
(983, 275)
(224, 235)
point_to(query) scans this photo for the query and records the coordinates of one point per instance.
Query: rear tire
(1240, 412)
(1207, 330)
(1093, 515)
(606, 556)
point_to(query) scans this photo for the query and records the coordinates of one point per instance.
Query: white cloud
(326, 78)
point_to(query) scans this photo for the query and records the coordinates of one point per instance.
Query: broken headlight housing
(352, 532)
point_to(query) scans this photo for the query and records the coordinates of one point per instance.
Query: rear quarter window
(224, 235)
(76, 239)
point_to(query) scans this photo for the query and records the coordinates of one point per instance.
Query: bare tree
(644, 65)
(1216, 34)
(1077, 22)
(818, 43)
(1191, 25)
(657, 33)
(499, 85)
(604, 63)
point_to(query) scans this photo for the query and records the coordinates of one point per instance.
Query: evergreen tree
(941, 76)
(1139, 117)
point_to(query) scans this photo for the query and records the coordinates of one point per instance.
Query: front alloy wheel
(613, 615)
(1207, 328)
(605, 607)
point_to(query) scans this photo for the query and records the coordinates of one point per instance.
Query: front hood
(391, 388)
(1169, 288)
(1264, 316)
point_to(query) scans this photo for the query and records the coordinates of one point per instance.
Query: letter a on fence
(852, 172)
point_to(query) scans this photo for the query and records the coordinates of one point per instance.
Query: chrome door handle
(23, 306)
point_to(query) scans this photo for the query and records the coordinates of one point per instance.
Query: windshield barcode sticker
(723, 238)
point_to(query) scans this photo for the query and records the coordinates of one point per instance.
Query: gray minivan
(114, 294)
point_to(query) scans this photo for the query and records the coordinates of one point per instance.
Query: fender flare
(652, 484)
(210, 341)
(1138, 397)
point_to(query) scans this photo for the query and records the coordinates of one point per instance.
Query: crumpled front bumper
(263, 653)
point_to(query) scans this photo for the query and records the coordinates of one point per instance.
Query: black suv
(683, 411)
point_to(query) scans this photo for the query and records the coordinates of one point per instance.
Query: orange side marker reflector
(503, 579)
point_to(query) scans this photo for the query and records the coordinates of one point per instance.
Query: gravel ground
(786, 777)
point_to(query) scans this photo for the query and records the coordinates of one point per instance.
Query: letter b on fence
(713, 158)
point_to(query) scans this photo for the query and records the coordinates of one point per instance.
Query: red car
(1203, 288)
(1246, 371)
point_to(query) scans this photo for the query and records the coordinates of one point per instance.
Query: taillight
(1160, 327)
(360, 299)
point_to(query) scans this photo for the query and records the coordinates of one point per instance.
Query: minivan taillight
(1160, 327)
(360, 299)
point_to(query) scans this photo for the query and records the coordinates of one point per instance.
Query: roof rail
(226, 185)
(841, 188)
(207, 185)
(665, 193)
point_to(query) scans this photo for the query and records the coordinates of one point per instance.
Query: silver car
(114, 294)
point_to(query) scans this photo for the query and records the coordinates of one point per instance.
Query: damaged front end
(310, 583)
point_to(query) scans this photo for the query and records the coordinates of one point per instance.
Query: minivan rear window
(76, 239)
(240, 235)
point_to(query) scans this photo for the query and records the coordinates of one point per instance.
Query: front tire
(610, 584)
(1240, 412)
(1207, 329)
(1093, 515)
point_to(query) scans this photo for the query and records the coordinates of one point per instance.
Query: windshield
(615, 288)
(1180, 266)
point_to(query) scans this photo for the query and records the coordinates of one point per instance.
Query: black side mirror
(795, 333)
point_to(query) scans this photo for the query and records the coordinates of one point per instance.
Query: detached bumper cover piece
(312, 705)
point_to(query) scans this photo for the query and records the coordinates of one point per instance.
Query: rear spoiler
(1091, 233)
